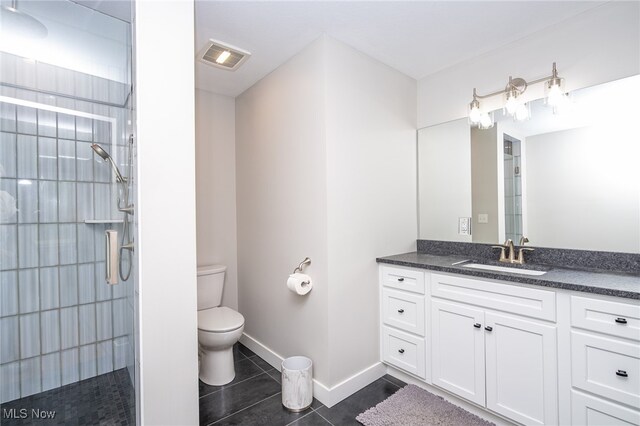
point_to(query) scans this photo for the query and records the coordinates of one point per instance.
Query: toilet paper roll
(300, 283)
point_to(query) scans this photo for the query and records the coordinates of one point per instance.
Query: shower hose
(127, 210)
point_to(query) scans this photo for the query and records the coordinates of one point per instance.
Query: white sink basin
(504, 269)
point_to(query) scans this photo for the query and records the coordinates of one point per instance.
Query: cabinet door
(608, 367)
(458, 349)
(588, 410)
(522, 381)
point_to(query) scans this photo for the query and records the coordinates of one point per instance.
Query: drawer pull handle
(622, 373)
(400, 279)
(477, 325)
(401, 351)
(488, 328)
(401, 311)
(621, 320)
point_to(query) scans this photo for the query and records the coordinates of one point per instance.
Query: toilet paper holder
(302, 264)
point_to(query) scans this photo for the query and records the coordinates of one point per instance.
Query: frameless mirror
(569, 179)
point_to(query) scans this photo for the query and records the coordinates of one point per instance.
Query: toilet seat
(219, 320)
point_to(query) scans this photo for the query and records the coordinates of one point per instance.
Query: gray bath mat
(414, 406)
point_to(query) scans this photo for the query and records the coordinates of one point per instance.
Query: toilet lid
(219, 320)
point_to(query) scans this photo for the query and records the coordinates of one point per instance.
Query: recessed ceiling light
(222, 55)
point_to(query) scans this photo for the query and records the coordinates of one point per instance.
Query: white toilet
(219, 328)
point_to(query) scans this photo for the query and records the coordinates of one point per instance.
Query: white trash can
(297, 383)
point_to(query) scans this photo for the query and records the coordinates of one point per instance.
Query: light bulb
(563, 104)
(474, 115)
(554, 90)
(522, 112)
(512, 103)
(485, 121)
(223, 57)
(555, 95)
(474, 110)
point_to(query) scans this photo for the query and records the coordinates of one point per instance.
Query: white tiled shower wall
(513, 193)
(59, 321)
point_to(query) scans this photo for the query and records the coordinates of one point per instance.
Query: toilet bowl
(219, 328)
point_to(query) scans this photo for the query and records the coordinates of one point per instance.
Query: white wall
(282, 207)
(216, 188)
(582, 192)
(484, 186)
(444, 180)
(597, 46)
(166, 213)
(325, 168)
(371, 173)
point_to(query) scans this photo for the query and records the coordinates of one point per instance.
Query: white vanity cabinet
(497, 359)
(605, 362)
(402, 312)
(535, 356)
(457, 350)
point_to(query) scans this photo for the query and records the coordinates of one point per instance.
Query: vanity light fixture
(554, 90)
(483, 120)
(554, 93)
(512, 91)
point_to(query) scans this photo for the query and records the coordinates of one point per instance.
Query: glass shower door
(67, 338)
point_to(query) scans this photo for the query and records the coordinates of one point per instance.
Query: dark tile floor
(253, 398)
(107, 399)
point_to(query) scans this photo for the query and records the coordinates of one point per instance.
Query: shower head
(100, 151)
(106, 157)
(16, 22)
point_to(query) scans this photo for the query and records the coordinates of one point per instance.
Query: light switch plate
(483, 218)
(464, 226)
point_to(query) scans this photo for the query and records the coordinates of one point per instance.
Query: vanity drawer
(515, 299)
(403, 279)
(615, 318)
(403, 310)
(404, 351)
(607, 367)
(588, 410)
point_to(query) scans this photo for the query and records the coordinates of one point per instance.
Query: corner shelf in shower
(99, 221)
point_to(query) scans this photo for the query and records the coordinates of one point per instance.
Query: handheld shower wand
(106, 157)
(127, 209)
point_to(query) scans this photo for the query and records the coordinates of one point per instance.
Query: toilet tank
(210, 285)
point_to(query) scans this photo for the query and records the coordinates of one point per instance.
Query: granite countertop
(610, 283)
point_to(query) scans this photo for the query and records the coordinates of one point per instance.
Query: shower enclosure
(67, 338)
(513, 189)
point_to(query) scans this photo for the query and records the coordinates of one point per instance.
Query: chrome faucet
(520, 259)
(511, 256)
(504, 257)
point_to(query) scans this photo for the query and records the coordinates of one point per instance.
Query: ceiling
(417, 38)
(120, 9)
(78, 38)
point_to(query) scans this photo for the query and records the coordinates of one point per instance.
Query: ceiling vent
(222, 55)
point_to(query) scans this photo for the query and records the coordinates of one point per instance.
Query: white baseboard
(472, 408)
(354, 383)
(262, 351)
(327, 396)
